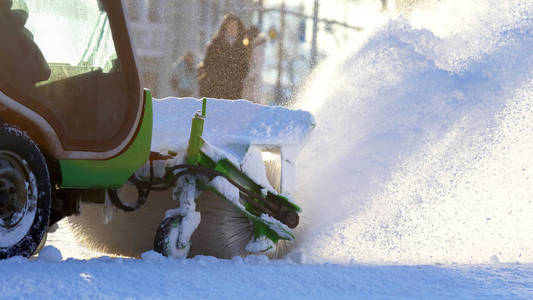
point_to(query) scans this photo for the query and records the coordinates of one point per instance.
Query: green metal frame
(196, 156)
(113, 172)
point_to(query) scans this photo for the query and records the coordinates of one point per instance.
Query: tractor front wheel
(167, 236)
(25, 196)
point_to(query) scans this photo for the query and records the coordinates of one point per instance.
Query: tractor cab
(70, 68)
(73, 116)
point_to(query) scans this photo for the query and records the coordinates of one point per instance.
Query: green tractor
(75, 124)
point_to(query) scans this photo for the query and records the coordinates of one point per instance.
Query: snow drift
(422, 151)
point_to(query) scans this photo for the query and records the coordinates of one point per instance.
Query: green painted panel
(113, 172)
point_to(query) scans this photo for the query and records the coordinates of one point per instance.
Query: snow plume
(422, 151)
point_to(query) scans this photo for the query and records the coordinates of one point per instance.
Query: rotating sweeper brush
(77, 129)
(232, 204)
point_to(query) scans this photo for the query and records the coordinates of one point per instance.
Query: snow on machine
(77, 129)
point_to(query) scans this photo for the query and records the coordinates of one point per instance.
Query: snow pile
(252, 165)
(228, 122)
(422, 151)
(51, 254)
(260, 244)
(152, 256)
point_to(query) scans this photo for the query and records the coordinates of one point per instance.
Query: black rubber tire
(16, 141)
(161, 239)
(41, 244)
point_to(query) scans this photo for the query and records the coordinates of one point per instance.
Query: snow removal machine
(80, 138)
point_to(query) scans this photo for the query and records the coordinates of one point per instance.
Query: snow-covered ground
(81, 273)
(416, 183)
(156, 277)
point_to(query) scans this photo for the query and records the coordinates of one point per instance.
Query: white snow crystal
(237, 260)
(298, 257)
(188, 225)
(260, 244)
(256, 259)
(17, 259)
(152, 256)
(50, 253)
(217, 154)
(494, 259)
(185, 192)
(253, 166)
(228, 122)
(281, 229)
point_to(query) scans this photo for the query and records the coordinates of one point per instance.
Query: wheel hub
(14, 175)
(4, 198)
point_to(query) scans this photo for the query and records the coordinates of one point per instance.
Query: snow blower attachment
(207, 169)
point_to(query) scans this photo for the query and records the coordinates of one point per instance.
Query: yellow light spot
(272, 34)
